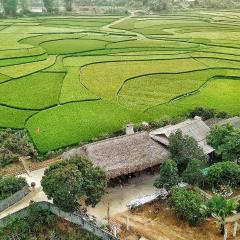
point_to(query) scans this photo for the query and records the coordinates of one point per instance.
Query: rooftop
(195, 128)
(123, 155)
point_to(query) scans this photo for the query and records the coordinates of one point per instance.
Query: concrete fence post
(225, 235)
(235, 227)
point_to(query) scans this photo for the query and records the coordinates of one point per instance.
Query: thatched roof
(235, 121)
(195, 128)
(123, 155)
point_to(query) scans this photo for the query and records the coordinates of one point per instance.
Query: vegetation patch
(36, 91)
(78, 122)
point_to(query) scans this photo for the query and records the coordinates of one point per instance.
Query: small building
(234, 121)
(195, 128)
(123, 155)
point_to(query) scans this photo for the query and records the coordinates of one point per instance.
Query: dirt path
(156, 222)
(116, 197)
(108, 27)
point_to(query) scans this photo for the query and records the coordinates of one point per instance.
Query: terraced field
(73, 79)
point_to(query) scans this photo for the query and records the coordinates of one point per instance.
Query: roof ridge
(115, 138)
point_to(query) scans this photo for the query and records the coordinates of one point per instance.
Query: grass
(161, 88)
(154, 44)
(221, 94)
(21, 60)
(72, 89)
(21, 70)
(72, 46)
(36, 91)
(83, 80)
(105, 79)
(78, 122)
(14, 118)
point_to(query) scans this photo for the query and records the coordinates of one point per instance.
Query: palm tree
(220, 208)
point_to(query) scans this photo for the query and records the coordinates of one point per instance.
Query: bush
(193, 174)
(168, 175)
(226, 141)
(205, 113)
(13, 145)
(188, 205)
(223, 173)
(10, 185)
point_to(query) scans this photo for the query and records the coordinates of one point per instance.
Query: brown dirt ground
(157, 222)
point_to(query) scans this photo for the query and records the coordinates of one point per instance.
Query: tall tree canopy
(183, 149)
(68, 181)
(226, 140)
(10, 6)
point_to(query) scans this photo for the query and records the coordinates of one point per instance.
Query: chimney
(129, 129)
(198, 118)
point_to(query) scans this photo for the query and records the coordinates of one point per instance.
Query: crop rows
(73, 79)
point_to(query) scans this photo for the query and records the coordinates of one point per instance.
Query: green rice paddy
(74, 79)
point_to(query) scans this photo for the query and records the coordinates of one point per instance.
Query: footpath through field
(108, 27)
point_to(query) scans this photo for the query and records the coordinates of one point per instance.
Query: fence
(77, 219)
(16, 197)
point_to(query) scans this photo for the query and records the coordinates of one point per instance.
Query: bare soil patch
(157, 222)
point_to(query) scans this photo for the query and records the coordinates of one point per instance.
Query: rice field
(74, 79)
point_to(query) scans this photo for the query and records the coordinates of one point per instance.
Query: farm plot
(78, 78)
(220, 93)
(162, 88)
(105, 79)
(37, 91)
(74, 122)
(14, 118)
(72, 46)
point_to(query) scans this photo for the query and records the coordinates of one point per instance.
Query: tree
(10, 6)
(168, 176)
(48, 4)
(68, 5)
(66, 182)
(183, 149)
(223, 173)
(226, 140)
(10, 185)
(220, 208)
(25, 6)
(94, 180)
(13, 145)
(193, 173)
(188, 204)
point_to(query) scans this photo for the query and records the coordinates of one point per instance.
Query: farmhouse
(123, 155)
(195, 128)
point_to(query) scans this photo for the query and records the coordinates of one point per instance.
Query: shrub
(193, 173)
(226, 140)
(183, 149)
(11, 184)
(168, 175)
(188, 204)
(221, 208)
(223, 173)
(13, 145)
(205, 113)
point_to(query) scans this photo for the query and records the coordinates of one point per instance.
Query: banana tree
(221, 208)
